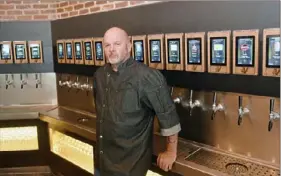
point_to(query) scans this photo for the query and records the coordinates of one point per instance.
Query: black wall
(165, 17)
(15, 31)
(173, 17)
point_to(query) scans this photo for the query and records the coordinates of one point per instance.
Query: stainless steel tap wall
(28, 89)
(251, 138)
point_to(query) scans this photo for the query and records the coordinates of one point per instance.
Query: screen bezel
(179, 49)
(211, 51)
(267, 51)
(187, 48)
(236, 51)
(150, 49)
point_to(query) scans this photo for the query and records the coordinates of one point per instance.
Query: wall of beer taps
(26, 64)
(224, 74)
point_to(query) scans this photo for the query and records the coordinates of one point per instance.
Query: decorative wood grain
(7, 61)
(214, 68)
(272, 72)
(195, 67)
(244, 70)
(161, 65)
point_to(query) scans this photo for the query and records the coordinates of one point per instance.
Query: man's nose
(112, 48)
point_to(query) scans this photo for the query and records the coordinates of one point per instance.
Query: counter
(62, 129)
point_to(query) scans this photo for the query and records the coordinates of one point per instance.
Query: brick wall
(40, 10)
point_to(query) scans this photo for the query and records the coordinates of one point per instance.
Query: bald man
(128, 95)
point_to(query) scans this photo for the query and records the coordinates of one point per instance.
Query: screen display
(35, 51)
(194, 51)
(218, 51)
(78, 53)
(138, 50)
(88, 50)
(273, 51)
(60, 51)
(69, 51)
(174, 51)
(20, 51)
(155, 51)
(5, 51)
(245, 51)
(99, 51)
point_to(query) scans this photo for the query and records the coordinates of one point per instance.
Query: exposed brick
(107, 7)
(14, 12)
(78, 6)
(6, 17)
(6, 6)
(63, 4)
(101, 2)
(121, 4)
(40, 17)
(94, 9)
(31, 12)
(68, 9)
(136, 2)
(73, 13)
(13, 1)
(24, 17)
(52, 6)
(83, 12)
(2, 12)
(40, 6)
(49, 11)
(60, 10)
(89, 4)
(23, 6)
(73, 2)
(64, 15)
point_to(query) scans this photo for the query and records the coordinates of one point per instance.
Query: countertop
(84, 124)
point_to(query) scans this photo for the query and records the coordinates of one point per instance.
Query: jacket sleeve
(157, 97)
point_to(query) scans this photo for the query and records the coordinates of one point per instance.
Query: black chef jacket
(126, 102)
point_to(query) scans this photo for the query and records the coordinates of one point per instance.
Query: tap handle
(190, 112)
(271, 106)
(239, 120)
(240, 101)
(190, 94)
(270, 125)
(213, 115)
(21, 77)
(215, 97)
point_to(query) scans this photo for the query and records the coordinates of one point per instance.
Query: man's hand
(166, 159)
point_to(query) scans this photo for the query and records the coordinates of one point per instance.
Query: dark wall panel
(189, 16)
(15, 31)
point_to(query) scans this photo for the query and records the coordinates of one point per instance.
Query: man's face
(116, 47)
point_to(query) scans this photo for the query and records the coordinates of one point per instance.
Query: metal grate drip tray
(186, 149)
(230, 165)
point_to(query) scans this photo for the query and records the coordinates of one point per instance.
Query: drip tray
(230, 165)
(186, 149)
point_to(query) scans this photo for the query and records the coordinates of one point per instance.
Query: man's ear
(129, 46)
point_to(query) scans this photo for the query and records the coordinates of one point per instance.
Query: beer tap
(242, 111)
(23, 81)
(76, 84)
(176, 100)
(38, 80)
(9, 81)
(86, 86)
(192, 104)
(215, 107)
(273, 115)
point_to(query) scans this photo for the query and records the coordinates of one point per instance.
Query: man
(128, 95)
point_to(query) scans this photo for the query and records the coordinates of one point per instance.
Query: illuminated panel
(18, 138)
(72, 150)
(151, 173)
